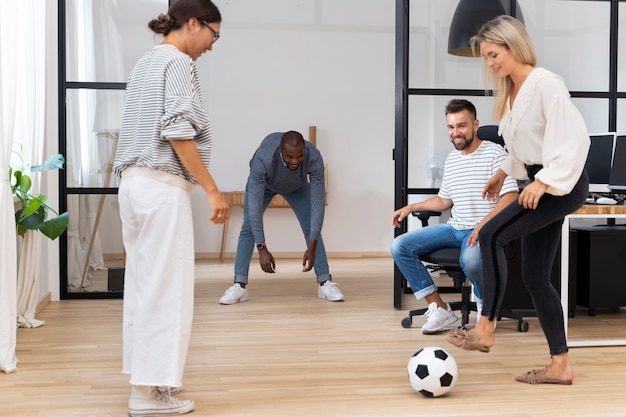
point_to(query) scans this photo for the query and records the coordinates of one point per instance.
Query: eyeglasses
(216, 35)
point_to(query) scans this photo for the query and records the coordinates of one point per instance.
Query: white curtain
(31, 101)
(29, 128)
(22, 75)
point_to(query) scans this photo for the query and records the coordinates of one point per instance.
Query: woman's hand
(531, 194)
(220, 208)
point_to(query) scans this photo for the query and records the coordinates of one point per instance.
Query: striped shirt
(465, 176)
(163, 102)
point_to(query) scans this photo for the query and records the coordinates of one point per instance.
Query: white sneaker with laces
(438, 318)
(234, 294)
(151, 401)
(172, 390)
(329, 291)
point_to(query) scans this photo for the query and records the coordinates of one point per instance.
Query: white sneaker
(151, 401)
(234, 295)
(329, 291)
(438, 318)
(172, 390)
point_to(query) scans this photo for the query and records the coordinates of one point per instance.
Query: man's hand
(308, 260)
(492, 189)
(267, 261)
(399, 215)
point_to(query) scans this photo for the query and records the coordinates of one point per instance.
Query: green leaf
(21, 230)
(55, 227)
(34, 211)
(55, 161)
(30, 221)
(23, 182)
(30, 208)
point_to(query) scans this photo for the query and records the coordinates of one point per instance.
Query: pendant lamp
(468, 18)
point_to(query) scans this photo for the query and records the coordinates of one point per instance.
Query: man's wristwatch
(261, 245)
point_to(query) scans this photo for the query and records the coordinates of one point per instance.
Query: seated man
(466, 171)
(288, 165)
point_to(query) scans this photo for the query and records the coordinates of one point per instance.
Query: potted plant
(33, 214)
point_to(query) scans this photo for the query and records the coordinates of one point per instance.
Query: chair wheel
(522, 326)
(407, 322)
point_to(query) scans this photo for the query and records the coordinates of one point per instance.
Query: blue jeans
(407, 248)
(300, 202)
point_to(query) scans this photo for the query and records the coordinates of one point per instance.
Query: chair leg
(465, 306)
(522, 325)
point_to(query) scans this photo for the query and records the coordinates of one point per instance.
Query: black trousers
(540, 233)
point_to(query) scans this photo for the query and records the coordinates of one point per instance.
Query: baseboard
(283, 255)
(297, 255)
(43, 303)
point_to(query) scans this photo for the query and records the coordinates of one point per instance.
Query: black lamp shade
(468, 18)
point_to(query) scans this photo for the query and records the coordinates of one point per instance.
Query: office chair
(448, 260)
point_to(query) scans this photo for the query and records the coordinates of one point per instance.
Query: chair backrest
(490, 133)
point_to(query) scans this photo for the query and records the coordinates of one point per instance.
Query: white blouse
(545, 128)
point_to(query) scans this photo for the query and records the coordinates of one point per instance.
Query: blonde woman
(548, 143)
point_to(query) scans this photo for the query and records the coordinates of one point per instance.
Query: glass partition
(93, 120)
(429, 144)
(105, 38)
(595, 111)
(621, 116)
(571, 39)
(95, 255)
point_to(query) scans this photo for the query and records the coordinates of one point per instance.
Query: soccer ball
(432, 371)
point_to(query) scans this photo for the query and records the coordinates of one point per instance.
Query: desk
(588, 211)
(235, 198)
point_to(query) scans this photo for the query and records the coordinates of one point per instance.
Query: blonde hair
(510, 33)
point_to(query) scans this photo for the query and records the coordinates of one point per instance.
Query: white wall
(283, 65)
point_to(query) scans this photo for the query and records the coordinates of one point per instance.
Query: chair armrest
(424, 216)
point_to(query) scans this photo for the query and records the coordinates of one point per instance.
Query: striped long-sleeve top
(163, 102)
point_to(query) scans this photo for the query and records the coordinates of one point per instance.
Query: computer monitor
(599, 160)
(617, 179)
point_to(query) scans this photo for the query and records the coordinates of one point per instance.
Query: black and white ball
(432, 371)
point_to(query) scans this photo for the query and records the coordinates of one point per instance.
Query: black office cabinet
(516, 296)
(116, 279)
(600, 266)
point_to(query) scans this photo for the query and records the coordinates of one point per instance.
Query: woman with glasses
(163, 152)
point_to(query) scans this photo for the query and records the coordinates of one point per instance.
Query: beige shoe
(538, 376)
(467, 340)
(172, 390)
(152, 401)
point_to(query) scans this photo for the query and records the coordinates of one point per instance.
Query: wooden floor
(287, 353)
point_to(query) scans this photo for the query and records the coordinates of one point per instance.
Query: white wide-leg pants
(157, 229)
